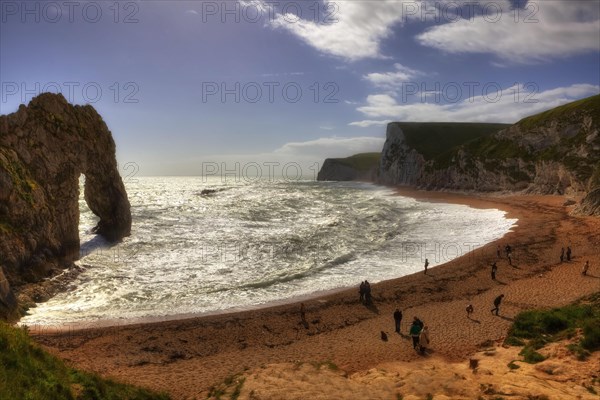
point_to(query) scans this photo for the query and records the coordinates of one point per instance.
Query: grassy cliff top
(360, 162)
(589, 105)
(29, 372)
(434, 138)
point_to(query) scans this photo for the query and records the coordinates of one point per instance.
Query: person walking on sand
(507, 249)
(568, 253)
(415, 331)
(397, 319)
(497, 302)
(494, 269)
(361, 291)
(562, 255)
(424, 339)
(469, 310)
(586, 266)
(368, 298)
(426, 265)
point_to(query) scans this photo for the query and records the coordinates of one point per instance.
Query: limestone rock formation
(590, 205)
(44, 148)
(555, 152)
(359, 167)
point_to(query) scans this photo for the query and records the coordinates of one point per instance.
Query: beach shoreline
(456, 198)
(185, 357)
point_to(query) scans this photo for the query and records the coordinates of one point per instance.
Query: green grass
(512, 365)
(361, 162)
(589, 105)
(432, 139)
(230, 388)
(28, 372)
(536, 328)
(22, 181)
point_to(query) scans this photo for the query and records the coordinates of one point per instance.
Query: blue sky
(187, 85)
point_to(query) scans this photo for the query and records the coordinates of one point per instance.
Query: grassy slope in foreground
(360, 162)
(29, 372)
(536, 328)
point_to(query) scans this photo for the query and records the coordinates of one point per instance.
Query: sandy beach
(187, 357)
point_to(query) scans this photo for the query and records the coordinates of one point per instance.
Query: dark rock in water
(590, 205)
(208, 192)
(44, 148)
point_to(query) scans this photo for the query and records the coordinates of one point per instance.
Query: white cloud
(369, 122)
(542, 31)
(354, 30)
(509, 105)
(293, 160)
(331, 147)
(391, 80)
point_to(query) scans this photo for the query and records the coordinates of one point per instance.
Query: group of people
(365, 293)
(562, 254)
(418, 331)
(568, 254)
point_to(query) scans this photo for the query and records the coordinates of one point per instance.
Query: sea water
(247, 244)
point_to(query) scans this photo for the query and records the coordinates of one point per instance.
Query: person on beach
(426, 265)
(562, 255)
(586, 266)
(494, 269)
(415, 331)
(507, 249)
(469, 310)
(498, 252)
(361, 292)
(397, 319)
(497, 302)
(509, 259)
(568, 253)
(424, 339)
(368, 298)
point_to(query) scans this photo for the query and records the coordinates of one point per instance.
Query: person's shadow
(474, 320)
(506, 318)
(372, 307)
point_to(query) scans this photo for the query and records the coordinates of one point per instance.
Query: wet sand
(187, 357)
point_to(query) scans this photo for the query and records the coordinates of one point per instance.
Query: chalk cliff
(359, 167)
(44, 148)
(555, 152)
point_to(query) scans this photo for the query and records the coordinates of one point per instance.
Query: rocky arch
(44, 148)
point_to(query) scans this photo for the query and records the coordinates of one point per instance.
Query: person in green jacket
(415, 331)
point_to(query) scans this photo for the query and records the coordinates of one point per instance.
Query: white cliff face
(399, 165)
(556, 156)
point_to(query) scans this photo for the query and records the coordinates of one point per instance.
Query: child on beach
(494, 269)
(586, 266)
(424, 339)
(469, 310)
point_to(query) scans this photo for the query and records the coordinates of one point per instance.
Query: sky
(267, 88)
